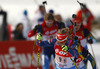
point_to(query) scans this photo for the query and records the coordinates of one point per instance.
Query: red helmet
(61, 37)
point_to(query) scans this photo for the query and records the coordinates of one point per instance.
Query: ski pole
(73, 61)
(81, 9)
(38, 55)
(82, 21)
(74, 24)
(94, 56)
(74, 34)
(33, 51)
(44, 2)
(71, 58)
(92, 50)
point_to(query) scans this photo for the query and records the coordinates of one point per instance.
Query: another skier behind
(48, 29)
(84, 37)
(82, 33)
(58, 18)
(39, 16)
(87, 16)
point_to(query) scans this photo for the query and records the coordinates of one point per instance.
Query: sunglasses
(49, 22)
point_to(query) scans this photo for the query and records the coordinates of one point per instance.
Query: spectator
(51, 11)
(18, 32)
(26, 24)
(39, 16)
(58, 18)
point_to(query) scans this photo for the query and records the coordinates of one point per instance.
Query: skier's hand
(90, 40)
(76, 38)
(76, 41)
(36, 28)
(75, 59)
(64, 48)
(39, 36)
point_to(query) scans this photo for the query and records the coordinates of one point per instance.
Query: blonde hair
(58, 17)
(49, 16)
(65, 30)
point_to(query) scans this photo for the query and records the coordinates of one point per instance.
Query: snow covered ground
(96, 33)
(96, 49)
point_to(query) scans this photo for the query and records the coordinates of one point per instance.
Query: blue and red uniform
(62, 58)
(87, 17)
(47, 33)
(83, 36)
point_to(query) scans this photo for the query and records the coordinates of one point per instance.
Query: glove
(36, 28)
(85, 53)
(75, 59)
(76, 38)
(39, 36)
(76, 41)
(64, 48)
(90, 41)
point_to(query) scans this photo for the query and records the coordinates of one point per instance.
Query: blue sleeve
(46, 43)
(73, 52)
(87, 33)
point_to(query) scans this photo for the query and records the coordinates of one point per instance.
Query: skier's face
(49, 23)
(20, 27)
(42, 9)
(77, 27)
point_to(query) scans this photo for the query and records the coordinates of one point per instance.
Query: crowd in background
(23, 27)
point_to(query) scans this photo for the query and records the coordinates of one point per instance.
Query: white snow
(96, 33)
(96, 50)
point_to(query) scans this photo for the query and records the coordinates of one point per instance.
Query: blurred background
(18, 16)
(15, 9)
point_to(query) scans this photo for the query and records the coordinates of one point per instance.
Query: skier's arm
(72, 51)
(38, 28)
(46, 43)
(89, 36)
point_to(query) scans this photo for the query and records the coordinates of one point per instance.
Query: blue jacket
(49, 47)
